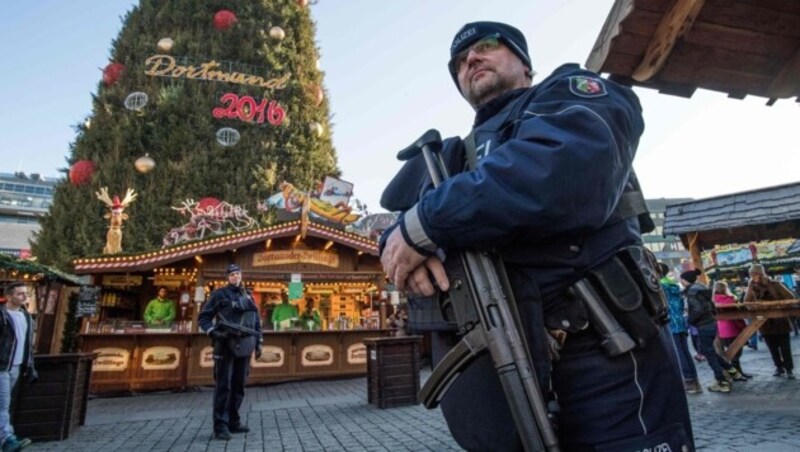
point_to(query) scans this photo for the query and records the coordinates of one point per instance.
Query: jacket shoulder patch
(588, 87)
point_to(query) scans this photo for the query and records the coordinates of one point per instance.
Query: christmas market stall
(306, 263)
(725, 234)
(56, 405)
(49, 292)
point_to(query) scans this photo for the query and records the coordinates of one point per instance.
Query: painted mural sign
(110, 359)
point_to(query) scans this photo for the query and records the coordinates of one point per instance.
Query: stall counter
(129, 362)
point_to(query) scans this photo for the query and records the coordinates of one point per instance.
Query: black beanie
(690, 276)
(472, 32)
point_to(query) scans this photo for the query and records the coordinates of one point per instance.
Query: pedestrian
(160, 311)
(232, 304)
(775, 331)
(546, 168)
(679, 329)
(16, 358)
(729, 330)
(701, 308)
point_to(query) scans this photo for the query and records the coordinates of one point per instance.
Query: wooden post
(694, 250)
(742, 338)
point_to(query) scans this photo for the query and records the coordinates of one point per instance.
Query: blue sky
(387, 82)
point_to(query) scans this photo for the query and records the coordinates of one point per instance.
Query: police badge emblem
(585, 86)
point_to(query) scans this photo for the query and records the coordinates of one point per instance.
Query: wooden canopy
(739, 47)
(769, 213)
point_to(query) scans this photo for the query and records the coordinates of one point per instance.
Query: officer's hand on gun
(218, 335)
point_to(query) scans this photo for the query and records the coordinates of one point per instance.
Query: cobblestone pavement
(762, 414)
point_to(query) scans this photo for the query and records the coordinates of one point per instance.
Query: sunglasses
(482, 46)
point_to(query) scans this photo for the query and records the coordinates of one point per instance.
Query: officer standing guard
(230, 310)
(545, 181)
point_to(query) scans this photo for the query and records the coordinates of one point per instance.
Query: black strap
(470, 151)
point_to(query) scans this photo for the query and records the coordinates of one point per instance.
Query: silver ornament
(228, 136)
(136, 101)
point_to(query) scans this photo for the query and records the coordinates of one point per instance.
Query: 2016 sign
(245, 108)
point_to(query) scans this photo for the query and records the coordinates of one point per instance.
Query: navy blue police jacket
(544, 191)
(234, 304)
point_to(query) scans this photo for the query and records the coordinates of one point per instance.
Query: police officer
(544, 170)
(233, 304)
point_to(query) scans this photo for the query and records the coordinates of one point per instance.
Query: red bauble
(112, 73)
(207, 203)
(81, 172)
(224, 19)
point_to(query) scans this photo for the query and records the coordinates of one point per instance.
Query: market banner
(282, 257)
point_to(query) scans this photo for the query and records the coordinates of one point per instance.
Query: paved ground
(760, 415)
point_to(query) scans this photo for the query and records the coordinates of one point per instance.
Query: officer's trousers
(230, 374)
(634, 401)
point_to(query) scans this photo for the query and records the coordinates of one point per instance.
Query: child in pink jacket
(728, 330)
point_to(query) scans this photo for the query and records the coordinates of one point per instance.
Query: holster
(628, 285)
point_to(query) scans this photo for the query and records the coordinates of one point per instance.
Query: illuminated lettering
(166, 66)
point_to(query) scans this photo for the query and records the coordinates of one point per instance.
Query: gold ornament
(165, 44)
(277, 33)
(316, 129)
(316, 93)
(144, 164)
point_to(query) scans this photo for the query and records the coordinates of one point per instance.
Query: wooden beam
(742, 338)
(611, 29)
(787, 83)
(674, 25)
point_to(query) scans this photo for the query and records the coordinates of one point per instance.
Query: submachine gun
(235, 329)
(482, 305)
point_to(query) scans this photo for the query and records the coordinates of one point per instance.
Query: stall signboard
(283, 257)
(87, 301)
(171, 280)
(122, 280)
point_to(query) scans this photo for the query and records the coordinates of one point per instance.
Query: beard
(490, 85)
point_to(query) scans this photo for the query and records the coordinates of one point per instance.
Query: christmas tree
(201, 99)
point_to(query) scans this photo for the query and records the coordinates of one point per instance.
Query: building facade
(23, 199)
(668, 249)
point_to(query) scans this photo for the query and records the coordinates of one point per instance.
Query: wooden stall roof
(36, 270)
(738, 47)
(765, 214)
(153, 259)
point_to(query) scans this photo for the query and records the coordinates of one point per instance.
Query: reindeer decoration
(116, 217)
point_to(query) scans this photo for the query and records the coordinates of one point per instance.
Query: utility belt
(621, 299)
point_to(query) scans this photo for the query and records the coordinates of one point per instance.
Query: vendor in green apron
(160, 311)
(284, 314)
(310, 319)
